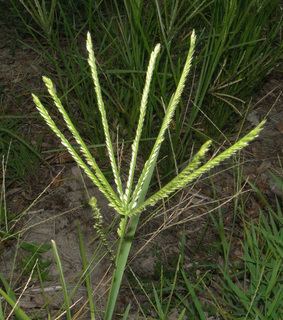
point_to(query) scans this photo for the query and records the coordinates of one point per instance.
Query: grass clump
(254, 290)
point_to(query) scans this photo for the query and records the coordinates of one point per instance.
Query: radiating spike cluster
(45, 115)
(130, 203)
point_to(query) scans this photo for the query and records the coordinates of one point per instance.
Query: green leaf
(62, 280)
(19, 313)
(195, 299)
(35, 248)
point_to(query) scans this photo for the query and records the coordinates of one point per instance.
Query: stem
(125, 243)
(124, 248)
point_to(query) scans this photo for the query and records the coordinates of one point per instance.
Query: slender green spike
(98, 225)
(143, 107)
(45, 115)
(84, 149)
(101, 107)
(170, 188)
(150, 163)
(187, 175)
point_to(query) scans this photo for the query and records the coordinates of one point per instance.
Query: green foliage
(20, 155)
(236, 50)
(255, 291)
(172, 293)
(247, 287)
(10, 297)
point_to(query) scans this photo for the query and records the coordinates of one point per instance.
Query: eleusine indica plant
(131, 201)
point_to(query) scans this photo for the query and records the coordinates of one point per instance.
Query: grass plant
(235, 51)
(130, 202)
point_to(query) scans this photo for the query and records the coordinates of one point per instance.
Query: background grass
(236, 50)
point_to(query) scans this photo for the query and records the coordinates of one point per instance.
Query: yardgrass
(231, 65)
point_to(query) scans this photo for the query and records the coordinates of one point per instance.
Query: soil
(63, 194)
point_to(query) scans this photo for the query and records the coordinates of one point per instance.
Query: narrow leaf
(62, 280)
(20, 314)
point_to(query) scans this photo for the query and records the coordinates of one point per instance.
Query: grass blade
(127, 311)
(85, 269)
(195, 299)
(19, 313)
(62, 280)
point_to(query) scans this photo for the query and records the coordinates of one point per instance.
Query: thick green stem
(124, 248)
(126, 238)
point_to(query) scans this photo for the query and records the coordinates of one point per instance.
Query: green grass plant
(131, 201)
(235, 51)
(172, 292)
(240, 50)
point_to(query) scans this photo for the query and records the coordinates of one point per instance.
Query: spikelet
(150, 163)
(189, 174)
(98, 225)
(143, 107)
(45, 115)
(101, 107)
(122, 227)
(84, 149)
